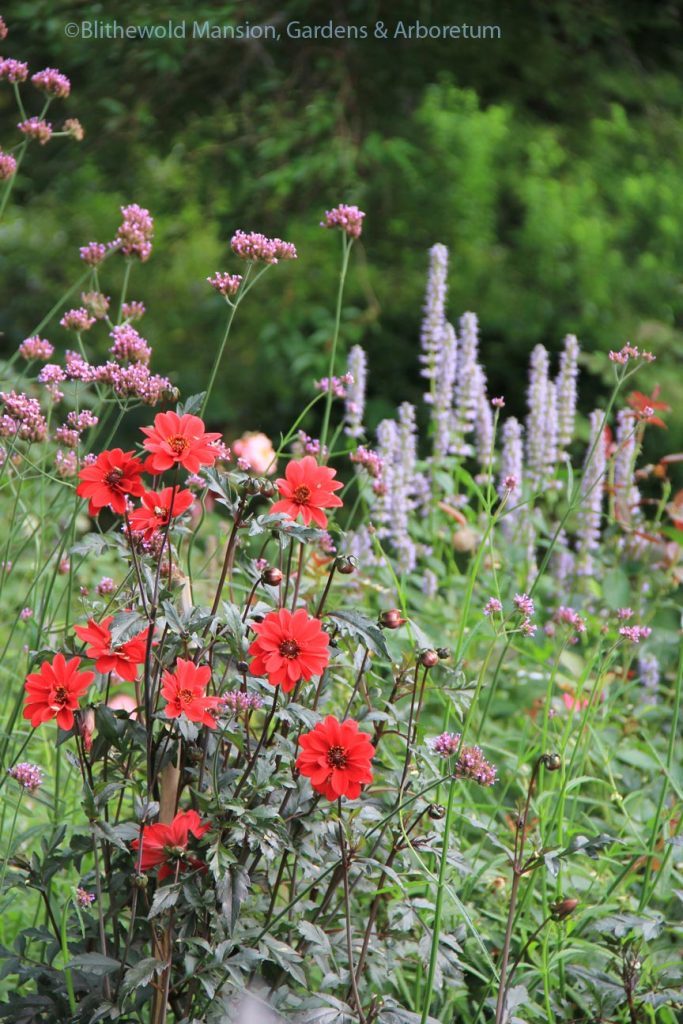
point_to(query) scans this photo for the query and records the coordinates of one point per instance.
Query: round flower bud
(553, 762)
(267, 489)
(271, 576)
(563, 908)
(252, 486)
(345, 565)
(242, 667)
(429, 658)
(436, 812)
(140, 881)
(465, 539)
(391, 619)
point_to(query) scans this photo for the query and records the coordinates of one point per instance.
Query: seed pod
(429, 658)
(271, 576)
(252, 486)
(444, 653)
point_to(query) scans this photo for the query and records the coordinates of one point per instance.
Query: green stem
(346, 250)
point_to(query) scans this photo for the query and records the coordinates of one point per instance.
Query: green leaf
(141, 973)
(94, 963)
(616, 588)
(164, 898)
(125, 626)
(362, 629)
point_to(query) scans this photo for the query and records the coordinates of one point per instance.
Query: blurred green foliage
(548, 161)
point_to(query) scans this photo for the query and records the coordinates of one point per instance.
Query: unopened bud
(553, 762)
(391, 619)
(242, 667)
(267, 489)
(563, 908)
(345, 565)
(443, 652)
(140, 881)
(271, 576)
(252, 486)
(436, 812)
(464, 539)
(429, 658)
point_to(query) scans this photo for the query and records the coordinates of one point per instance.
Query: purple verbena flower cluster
(471, 763)
(36, 348)
(348, 218)
(36, 128)
(52, 82)
(225, 284)
(22, 417)
(134, 236)
(129, 346)
(258, 248)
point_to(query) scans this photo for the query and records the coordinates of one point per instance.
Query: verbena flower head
(28, 775)
(77, 320)
(258, 248)
(36, 348)
(179, 440)
(22, 417)
(52, 82)
(289, 647)
(348, 218)
(36, 128)
(492, 606)
(132, 381)
(158, 507)
(73, 127)
(96, 303)
(8, 166)
(133, 310)
(129, 346)
(165, 846)
(84, 898)
(635, 633)
(225, 284)
(470, 764)
(524, 604)
(54, 691)
(628, 352)
(3, 28)
(370, 460)
(184, 691)
(135, 233)
(106, 586)
(93, 253)
(337, 758)
(25, 614)
(124, 659)
(307, 489)
(256, 451)
(109, 479)
(13, 71)
(236, 703)
(569, 617)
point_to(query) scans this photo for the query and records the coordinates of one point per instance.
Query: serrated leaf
(191, 405)
(141, 973)
(315, 935)
(363, 629)
(91, 544)
(164, 898)
(125, 626)
(94, 963)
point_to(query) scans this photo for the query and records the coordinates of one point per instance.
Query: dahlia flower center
(60, 696)
(289, 649)
(161, 513)
(178, 444)
(302, 494)
(186, 696)
(336, 757)
(114, 477)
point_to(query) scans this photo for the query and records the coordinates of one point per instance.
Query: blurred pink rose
(258, 451)
(122, 702)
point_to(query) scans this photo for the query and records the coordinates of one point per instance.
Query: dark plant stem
(347, 915)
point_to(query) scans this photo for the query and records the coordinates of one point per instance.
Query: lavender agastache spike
(405, 486)
(387, 448)
(537, 420)
(434, 310)
(566, 391)
(354, 406)
(648, 670)
(468, 382)
(483, 423)
(592, 487)
(627, 495)
(444, 381)
(563, 561)
(510, 476)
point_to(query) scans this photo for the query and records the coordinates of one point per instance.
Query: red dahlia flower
(122, 659)
(157, 508)
(112, 476)
(179, 440)
(165, 845)
(54, 691)
(336, 758)
(288, 648)
(306, 490)
(645, 407)
(185, 693)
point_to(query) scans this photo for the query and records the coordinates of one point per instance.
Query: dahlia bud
(252, 486)
(563, 908)
(271, 576)
(429, 658)
(140, 881)
(242, 667)
(553, 762)
(267, 489)
(391, 619)
(436, 812)
(345, 565)
(444, 653)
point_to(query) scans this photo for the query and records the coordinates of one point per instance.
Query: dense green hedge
(548, 161)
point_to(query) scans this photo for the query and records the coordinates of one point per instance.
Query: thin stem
(346, 250)
(347, 915)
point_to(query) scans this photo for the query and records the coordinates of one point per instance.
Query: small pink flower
(93, 253)
(36, 128)
(8, 166)
(635, 633)
(348, 218)
(225, 284)
(524, 604)
(36, 348)
(13, 70)
(52, 82)
(258, 248)
(77, 320)
(84, 898)
(498, 403)
(492, 606)
(28, 775)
